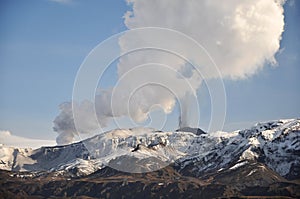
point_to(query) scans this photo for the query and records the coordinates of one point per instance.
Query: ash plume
(183, 119)
(241, 36)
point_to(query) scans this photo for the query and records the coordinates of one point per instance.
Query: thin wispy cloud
(291, 3)
(62, 1)
(8, 139)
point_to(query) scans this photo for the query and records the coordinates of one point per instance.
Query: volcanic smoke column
(240, 37)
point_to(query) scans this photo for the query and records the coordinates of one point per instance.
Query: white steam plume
(241, 36)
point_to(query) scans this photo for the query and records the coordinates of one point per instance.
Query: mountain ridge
(264, 158)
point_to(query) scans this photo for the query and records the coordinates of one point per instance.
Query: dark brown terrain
(165, 183)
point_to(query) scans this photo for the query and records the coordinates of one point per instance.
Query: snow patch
(238, 165)
(249, 155)
(251, 172)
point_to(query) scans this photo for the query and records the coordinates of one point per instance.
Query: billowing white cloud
(240, 36)
(8, 139)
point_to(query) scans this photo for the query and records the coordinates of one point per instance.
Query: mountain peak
(274, 143)
(265, 155)
(196, 131)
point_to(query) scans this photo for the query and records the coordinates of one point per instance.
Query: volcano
(262, 161)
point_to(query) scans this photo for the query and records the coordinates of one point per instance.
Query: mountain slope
(166, 183)
(261, 161)
(275, 144)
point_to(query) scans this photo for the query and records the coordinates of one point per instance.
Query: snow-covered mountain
(275, 144)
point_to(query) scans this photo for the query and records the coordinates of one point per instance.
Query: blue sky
(43, 43)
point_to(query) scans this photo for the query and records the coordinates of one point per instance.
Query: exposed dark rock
(196, 131)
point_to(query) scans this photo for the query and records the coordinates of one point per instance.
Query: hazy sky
(43, 43)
